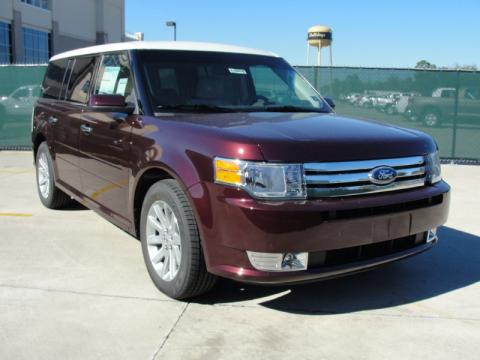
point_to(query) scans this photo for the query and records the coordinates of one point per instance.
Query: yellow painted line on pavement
(11, 171)
(16, 214)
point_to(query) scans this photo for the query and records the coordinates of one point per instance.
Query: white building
(31, 31)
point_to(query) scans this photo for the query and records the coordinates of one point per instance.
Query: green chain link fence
(19, 89)
(442, 103)
(445, 104)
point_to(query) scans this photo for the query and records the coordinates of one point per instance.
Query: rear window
(52, 83)
(80, 79)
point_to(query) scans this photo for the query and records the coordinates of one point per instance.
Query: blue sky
(366, 33)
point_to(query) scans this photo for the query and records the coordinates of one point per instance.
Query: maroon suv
(225, 161)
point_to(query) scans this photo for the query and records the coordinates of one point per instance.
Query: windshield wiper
(291, 108)
(194, 107)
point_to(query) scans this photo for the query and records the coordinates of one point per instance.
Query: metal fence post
(455, 114)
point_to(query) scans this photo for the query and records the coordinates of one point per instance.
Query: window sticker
(121, 87)
(109, 78)
(237, 71)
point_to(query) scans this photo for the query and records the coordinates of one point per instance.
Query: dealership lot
(74, 286)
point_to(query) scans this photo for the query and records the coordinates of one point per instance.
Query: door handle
(52, 120)
(86, 129)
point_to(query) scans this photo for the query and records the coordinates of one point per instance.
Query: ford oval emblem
(382, 175)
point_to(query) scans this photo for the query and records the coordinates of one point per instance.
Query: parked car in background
(440, 107)
(18, 104)
(403, 101)
(387, 103)
(225, 162)
(354, 98)
(366, 101)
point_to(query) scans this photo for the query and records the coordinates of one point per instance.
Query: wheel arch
(432, 108)
(39, 138)
(143, 181)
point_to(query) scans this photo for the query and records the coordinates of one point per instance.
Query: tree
(424, 64)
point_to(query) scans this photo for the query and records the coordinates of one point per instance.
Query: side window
(52, 83)
(114, 77)
(80, 79)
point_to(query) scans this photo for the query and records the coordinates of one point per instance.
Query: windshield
(212, 81)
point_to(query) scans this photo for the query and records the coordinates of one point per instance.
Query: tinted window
(80, 79)
(241, 82)
(52, 84)
(114, 77)
(268, 83)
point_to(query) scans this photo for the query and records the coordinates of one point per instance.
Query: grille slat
(358, 177)
(349, 178)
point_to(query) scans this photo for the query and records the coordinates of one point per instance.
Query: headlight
(434, 172)
(262, 180)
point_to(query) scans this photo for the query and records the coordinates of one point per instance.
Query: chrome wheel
(163, 240)
(431, 119)
(43, 176)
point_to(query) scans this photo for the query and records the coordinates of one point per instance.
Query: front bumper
(231, 223)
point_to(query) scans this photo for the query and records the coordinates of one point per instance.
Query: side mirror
(329, 101)
(110, 103)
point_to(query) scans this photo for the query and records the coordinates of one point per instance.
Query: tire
(431, 117)
(180, 246)
(50, 196)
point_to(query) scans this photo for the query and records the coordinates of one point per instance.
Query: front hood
(311, 137)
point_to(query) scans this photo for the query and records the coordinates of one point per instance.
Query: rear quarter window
(52, 83)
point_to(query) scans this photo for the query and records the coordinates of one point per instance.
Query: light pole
(174, 24)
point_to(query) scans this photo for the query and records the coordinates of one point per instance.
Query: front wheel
(431, 118)
(171, 243)
(50, 196)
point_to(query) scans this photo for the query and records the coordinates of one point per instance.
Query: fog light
(432, 235)
(278, 261)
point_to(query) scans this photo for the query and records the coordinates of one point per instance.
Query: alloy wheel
(163, 240)
(431, 119)
(43, 175)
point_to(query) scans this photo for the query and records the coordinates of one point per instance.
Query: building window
(36, 45)
(38, 3)
(5, 44)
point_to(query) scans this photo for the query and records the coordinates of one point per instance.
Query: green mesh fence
(19, 89)
(445, 104)
(442, 103)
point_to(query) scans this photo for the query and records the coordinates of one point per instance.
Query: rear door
(66, 123)
(104, 142)
(61, 140)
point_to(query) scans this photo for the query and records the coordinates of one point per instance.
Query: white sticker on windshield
(237, 71)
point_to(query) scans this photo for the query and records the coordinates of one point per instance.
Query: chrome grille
(331, 179)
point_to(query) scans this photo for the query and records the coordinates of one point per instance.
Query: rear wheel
(171, 243)
(50, 195)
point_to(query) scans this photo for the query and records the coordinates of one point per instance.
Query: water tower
(319, 36)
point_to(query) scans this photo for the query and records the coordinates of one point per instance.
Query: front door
(104, 143)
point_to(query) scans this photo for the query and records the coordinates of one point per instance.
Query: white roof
(162, 45)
